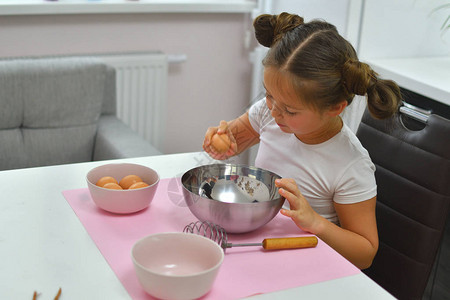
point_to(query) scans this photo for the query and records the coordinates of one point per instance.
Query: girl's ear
(336, 109)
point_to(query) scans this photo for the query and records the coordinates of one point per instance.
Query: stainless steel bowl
(239, 198)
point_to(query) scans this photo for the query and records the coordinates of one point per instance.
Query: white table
(44, 246)
(428, 76)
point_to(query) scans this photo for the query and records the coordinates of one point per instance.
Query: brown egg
(128, 181)
(138, 185)
(221, 142)
(112, 186)
(104, 180)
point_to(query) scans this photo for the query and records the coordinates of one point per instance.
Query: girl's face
(292, 116)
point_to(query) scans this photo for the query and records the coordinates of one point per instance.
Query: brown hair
(322, 65)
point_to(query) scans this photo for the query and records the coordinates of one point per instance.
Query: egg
(112, 186)
(138, 185)
(104, 180)
(221, 142)
(129, 180)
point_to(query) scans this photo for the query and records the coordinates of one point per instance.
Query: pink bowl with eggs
(122, 201)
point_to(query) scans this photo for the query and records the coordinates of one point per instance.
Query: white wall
(388, 29)
(334, 12)
(213, 84)
(403, 28)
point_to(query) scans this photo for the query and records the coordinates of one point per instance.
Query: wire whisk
(219, 235)
(209, 230)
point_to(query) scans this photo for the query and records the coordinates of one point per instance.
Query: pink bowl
(176, 265)
(122, 201)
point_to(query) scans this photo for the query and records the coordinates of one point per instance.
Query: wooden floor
(439, 288)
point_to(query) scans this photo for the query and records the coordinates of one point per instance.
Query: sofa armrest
(116, 140)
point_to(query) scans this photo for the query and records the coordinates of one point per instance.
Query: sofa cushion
(12, 149)
(53, 146)
(50, 109)
(60, 91)
(11, 111)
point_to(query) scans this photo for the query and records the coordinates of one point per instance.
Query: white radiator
(141, 92)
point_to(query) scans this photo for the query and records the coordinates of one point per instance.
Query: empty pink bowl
(122, 201)
(176, 265)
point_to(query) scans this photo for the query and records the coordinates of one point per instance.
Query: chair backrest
(50, 108)
(413, 179)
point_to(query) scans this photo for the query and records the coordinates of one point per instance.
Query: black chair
(413, 178)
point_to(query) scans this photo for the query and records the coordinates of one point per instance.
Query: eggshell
(106, 179)
(112, 186)
(129, 180)
(138, 185)
(221, 142)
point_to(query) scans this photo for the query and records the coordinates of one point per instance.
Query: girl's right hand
(209, 148)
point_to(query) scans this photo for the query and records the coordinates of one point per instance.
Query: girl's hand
(300, 211)
(221, 129)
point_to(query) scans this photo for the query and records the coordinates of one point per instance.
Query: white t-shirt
(338, 170)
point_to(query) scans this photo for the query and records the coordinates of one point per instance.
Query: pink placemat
(246, 271)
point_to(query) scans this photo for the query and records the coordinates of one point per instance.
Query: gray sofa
(61, 110)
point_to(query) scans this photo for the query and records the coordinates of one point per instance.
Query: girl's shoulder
(259, 115)
(352, 141)
(344, 148)
(259, 108)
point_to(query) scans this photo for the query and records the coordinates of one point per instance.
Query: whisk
(219, 235)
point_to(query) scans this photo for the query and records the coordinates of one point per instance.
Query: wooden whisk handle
(289, 243)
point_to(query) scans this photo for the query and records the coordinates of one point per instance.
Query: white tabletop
(44, 246)
(428, 76)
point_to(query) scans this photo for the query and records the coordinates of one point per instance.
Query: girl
(311, 74)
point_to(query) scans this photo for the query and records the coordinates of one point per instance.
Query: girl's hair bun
(270, 28)
(357, 76)
(383, 96)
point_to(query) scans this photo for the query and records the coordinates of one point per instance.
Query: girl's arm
(241, 134)
(357, 237)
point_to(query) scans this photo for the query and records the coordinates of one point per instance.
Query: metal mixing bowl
(238, 198)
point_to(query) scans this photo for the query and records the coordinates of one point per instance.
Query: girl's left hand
(300, 211)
